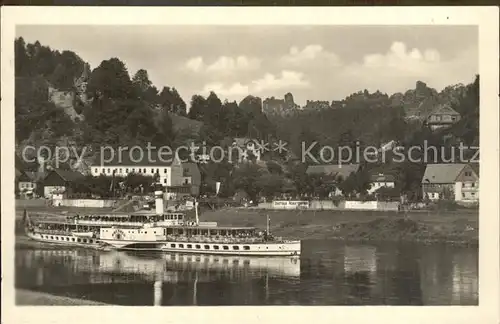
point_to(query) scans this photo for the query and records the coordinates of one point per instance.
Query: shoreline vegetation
(431, 227)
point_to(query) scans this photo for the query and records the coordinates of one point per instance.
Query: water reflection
(328, 273)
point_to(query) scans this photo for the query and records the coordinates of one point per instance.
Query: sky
(311, 62)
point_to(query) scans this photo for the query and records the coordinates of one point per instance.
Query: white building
(381, 180)
(169, 170)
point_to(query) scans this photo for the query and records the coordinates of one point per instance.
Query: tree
(198, 107)
(274, 168)
(355, 183)
(212, 115)
(111, 80)
(22, 61)
(252, 106)
(141, 80)
(270, 185)
(245, 178)
(171, 100)
(137, 182)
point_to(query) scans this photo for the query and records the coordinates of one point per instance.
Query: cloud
(223, 64)
(402, 59)
(400, 67)
(287, 80)
(234, 90)
(229, 64)
(195, 64)
(309, 54)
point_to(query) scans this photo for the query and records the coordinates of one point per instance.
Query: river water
(327, 273)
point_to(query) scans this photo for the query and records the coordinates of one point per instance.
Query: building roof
(191, 168)
(136, 157)
(442, 173)
(343, 170)
(28, 176)
(475, 167)
(380, 177)
(444, 110)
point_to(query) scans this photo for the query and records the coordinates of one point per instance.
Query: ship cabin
(54, 227)
(136, 219)
(229, 234)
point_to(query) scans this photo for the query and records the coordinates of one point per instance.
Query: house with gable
(441, 117)
(455, 181)
(58, 183)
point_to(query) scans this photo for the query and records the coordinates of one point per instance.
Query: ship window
(85, 241)
(57, 238)
(236, 247)
(246, 247)
(51, 237)
(207, 247)
(216, 247)
(79, 241)
(67, 239)
(198, 246)
(225, 247)
(189, 246)
(73, 239)
(172, 245)
(181, 246)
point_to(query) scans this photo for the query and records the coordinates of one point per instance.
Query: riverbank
(460, 228)
(450, 227)
(34, 298)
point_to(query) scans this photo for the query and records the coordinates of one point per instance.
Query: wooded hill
(115, 109)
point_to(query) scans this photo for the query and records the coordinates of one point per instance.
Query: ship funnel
(159, 202)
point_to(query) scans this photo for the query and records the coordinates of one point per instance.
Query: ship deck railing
(54, 232)
(221, 240)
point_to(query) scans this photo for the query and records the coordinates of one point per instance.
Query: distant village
(413, 117)
(457, 182)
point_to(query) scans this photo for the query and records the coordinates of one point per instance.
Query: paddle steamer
(160, 231)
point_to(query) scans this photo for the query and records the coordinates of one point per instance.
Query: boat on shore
(159, 231)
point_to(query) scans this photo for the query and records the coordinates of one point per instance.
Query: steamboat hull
(287, 248)
(64, 239)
